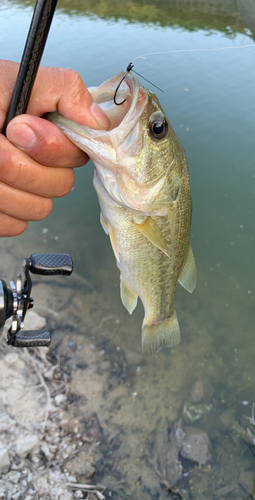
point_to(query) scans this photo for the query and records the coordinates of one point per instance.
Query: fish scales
(142, 182)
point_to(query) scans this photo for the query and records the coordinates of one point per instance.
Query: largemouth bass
(142, 182)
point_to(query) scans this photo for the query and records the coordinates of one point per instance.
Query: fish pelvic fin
(113, 241)
(129, 298)
(104, 223)
(188, 276)
(154, 335)
(152, 232)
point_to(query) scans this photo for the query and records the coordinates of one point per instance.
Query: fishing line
(192, 50)
(144, 56)
(148, 80)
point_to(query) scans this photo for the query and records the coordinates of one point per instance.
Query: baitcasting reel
(16, 301)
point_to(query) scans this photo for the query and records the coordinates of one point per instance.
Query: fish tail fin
(154, 335)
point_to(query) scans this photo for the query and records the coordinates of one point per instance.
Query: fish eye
(158, 126)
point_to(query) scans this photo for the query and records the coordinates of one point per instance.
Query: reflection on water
(208, 379)
(230, 16)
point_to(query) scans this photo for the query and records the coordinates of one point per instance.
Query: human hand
(36, 159)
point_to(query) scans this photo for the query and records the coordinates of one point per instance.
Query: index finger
(55, 89)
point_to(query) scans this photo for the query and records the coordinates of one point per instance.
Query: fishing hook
(129, 67)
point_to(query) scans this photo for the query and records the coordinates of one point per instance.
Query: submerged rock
(196, 446)
(189, 443)
(246, 480)
(173, 469)
(81, 466)
(197, 392)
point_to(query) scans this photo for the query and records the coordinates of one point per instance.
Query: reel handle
(50, 264)
(30, 338)
(16, 301)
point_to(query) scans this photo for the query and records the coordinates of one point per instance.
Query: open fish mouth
(123, 118)
(130, 91)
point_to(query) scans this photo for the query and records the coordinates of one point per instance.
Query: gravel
(36, 446)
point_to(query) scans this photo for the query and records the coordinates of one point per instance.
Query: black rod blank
(35, 43)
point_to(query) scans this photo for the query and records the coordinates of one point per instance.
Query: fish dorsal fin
(151, 231)
(113, 241)
(104, 223)
(188, 276)
(129, 298)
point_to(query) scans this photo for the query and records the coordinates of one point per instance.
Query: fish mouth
(125, 123)
(131, 96)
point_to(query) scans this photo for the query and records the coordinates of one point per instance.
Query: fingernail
(100, 116)
(21, 135)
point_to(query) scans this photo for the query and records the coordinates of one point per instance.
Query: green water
(209, 99)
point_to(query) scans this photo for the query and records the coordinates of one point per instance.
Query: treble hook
(129, 67)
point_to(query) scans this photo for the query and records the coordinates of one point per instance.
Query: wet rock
(196, 446)
(4, 460)
(246, 480)
(173, 469)
(81, 467)
(27, 445)
(197, 392)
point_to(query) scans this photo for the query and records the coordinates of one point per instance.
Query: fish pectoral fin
(113, 240)
(152, 232)
(154, 335)
(188, 276)
(104, 223)
(129, 298)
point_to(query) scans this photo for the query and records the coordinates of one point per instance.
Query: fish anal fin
(154, 335)
(152, 232)
(113, 240)
(188, 276)
(129, 298)
(104, 223)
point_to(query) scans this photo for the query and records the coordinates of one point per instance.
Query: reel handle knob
(29, 338)
(50, 264)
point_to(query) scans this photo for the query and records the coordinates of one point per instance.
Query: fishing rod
(32, 54)
(16, 300)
